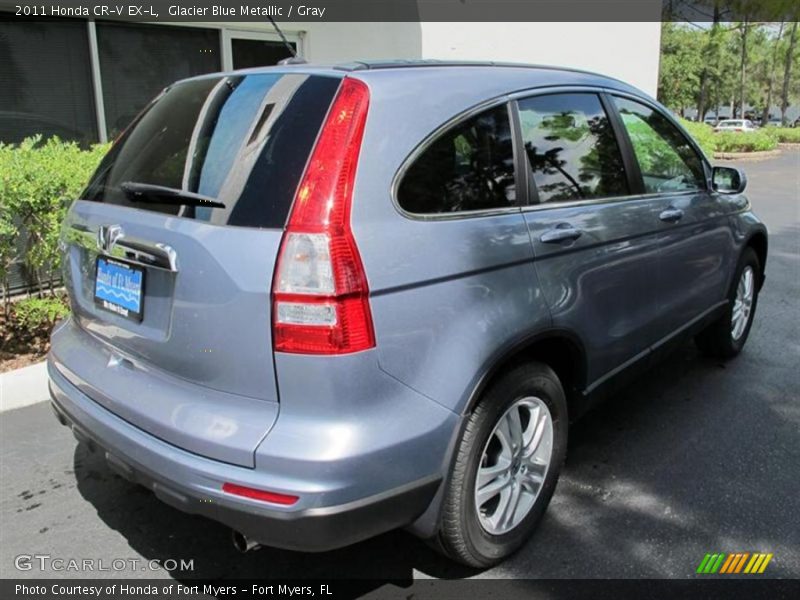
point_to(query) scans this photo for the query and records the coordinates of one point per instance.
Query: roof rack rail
(371, 65)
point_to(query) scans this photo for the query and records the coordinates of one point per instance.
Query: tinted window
(469, 167)
(667, 160)
(45, 80)
(571, 148)
(258, 53)
(240, 140)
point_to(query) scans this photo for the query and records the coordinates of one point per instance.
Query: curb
(746, 155)
(24, 387)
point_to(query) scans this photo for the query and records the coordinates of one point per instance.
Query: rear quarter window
(241, 140)
(469, 167)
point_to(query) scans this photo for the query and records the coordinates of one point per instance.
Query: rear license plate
(119, 287)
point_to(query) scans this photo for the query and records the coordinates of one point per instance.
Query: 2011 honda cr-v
(317, 304)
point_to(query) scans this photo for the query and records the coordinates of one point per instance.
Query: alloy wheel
(743, 303)
(514, 465)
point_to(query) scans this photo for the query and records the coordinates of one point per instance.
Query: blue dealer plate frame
(119, 288)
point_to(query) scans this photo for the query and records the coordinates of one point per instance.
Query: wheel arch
(758, 242)
(560, 349)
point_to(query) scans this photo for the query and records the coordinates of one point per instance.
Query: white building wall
(627, 51)
(340, 42)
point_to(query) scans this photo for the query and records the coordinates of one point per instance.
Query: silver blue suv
(317, 304)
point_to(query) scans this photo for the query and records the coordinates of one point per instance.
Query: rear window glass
(241, 142)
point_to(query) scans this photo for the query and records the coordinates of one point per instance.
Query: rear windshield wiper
(158, 194)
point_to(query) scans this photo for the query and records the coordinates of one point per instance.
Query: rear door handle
(671, 215)
(560, 233)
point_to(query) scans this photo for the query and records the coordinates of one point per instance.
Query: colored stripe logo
(737, 562)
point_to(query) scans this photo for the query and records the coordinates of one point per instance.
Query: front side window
(571, 148)
(469, 167)
(666, 158)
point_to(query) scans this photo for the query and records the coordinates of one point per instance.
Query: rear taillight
(320, 295)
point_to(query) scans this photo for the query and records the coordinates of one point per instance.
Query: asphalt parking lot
(696, 457)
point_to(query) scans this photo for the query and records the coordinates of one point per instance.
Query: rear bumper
(192, 483)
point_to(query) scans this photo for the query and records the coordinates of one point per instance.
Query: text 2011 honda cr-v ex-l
(317, 304)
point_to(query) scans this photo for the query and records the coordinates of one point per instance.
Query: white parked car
(743, 125)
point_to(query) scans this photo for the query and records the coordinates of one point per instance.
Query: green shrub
(32, 313)
(8, 234)
(784, 135)
(38, 181)
(703, 134)
(755, 141)
(731, 141)
(8, 231)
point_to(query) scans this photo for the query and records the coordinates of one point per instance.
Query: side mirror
(728, 180)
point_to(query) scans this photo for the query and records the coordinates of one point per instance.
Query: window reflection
(667, 160)
(571, 148)
(469, 167)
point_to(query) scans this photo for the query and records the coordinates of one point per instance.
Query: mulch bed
(746, 155)
(20, 347)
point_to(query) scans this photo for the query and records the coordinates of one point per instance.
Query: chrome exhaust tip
(243, 543)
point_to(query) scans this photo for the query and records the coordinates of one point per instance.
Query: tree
(744, 30)
(711, 59)
(681, 64)
(771, 78)
(787, 70)
(723, 88)
(761, 47)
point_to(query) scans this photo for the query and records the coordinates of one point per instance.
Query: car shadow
(624, 446)
(694, 456)
(157, 531)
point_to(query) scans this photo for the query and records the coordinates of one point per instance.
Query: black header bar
(410, 10)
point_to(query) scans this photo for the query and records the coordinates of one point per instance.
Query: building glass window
(46, 81)
(138, 61)
(247, 53)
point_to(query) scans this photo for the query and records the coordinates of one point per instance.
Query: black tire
(461, 535)
(717, 340)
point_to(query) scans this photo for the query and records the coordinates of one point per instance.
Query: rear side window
(666, 158)
(571, 148)
(469, 167)
(240, 141)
